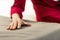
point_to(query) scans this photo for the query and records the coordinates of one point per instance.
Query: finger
(9, 26)
(14, 26)
(26, 24)
(19, 25)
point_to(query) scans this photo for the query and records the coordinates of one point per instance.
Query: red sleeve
(18, 7)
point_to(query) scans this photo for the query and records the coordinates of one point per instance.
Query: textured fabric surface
(37, 31)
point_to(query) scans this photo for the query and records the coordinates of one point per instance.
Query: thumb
(26, 24)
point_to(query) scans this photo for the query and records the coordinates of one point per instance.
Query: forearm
(18, 7)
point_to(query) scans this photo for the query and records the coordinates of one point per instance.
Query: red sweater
(46, 10)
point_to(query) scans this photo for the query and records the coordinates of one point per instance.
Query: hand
(16, 23)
